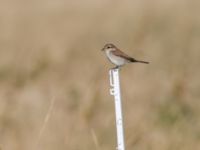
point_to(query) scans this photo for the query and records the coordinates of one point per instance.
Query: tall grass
(52, 49)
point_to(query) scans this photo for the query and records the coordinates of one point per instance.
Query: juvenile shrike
(117, 57)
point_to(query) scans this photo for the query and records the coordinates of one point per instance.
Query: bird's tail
(138, 61)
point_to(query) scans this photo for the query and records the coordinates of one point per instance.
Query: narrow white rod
(115, 91)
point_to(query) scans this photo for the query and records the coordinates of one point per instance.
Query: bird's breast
(117, 60)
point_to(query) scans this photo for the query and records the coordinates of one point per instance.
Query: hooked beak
(102, 49)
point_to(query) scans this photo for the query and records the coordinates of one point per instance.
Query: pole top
(115, 69)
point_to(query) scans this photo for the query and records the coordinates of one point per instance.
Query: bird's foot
(117, 67)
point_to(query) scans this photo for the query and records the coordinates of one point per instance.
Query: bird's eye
(108, 47)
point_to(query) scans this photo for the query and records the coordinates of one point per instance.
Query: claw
(117, 67)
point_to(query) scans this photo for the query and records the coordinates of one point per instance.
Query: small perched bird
(117, 57)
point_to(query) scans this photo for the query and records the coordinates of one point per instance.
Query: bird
(117, 57)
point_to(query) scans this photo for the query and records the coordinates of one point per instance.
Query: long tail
(138, 61)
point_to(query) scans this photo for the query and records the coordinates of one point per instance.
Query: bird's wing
(122, 54)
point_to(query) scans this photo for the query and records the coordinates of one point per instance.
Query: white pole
(115, 91)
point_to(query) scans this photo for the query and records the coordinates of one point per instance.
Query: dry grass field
(54, 83)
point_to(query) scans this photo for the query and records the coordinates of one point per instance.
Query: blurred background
(54, 83)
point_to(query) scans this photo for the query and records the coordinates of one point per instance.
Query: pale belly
(116, 59)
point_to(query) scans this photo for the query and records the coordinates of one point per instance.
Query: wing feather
(122, 54)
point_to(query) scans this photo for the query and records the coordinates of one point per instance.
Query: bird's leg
(116, 67)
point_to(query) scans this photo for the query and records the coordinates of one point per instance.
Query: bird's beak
(102, 49)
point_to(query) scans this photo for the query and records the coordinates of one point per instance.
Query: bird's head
(108, 46)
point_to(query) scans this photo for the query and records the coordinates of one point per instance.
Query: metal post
(115, 91)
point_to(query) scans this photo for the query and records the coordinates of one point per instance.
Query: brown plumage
(117, 57)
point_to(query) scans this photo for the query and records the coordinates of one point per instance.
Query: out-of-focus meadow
(54, 84)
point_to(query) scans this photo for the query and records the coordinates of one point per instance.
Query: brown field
(54, 84)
